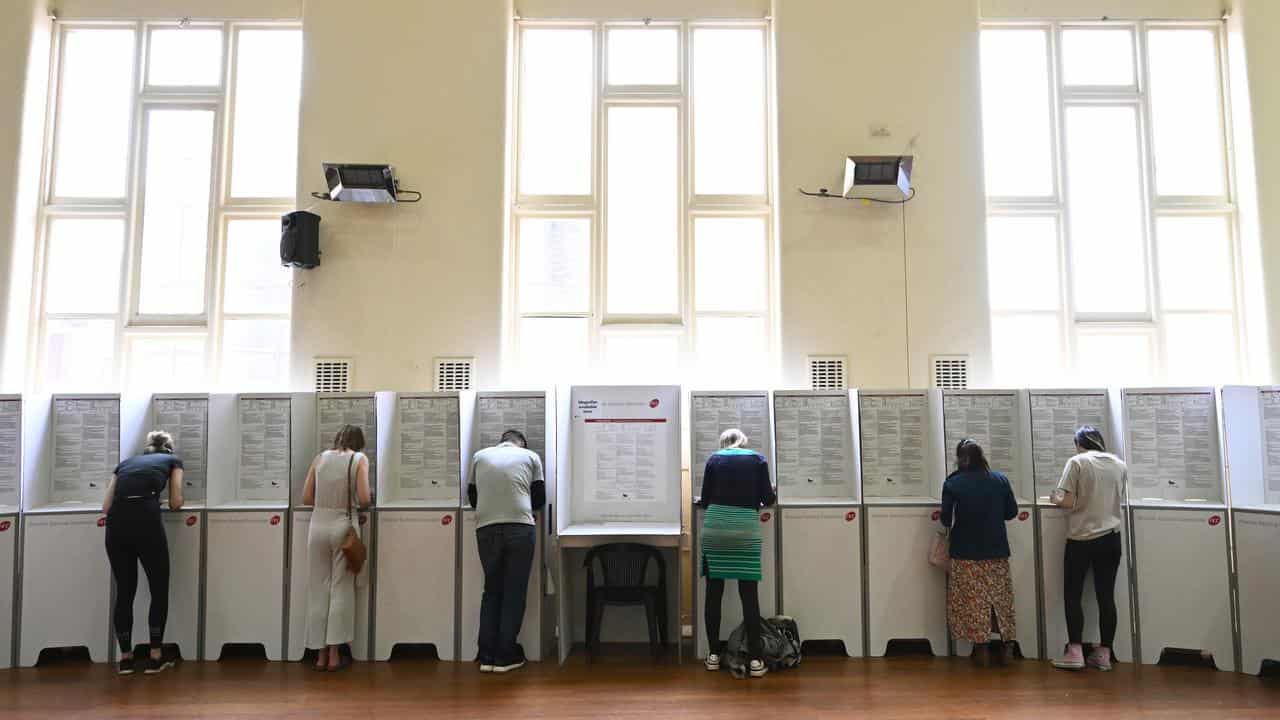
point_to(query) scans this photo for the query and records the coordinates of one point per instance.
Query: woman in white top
(1092, 490)
(331, 587)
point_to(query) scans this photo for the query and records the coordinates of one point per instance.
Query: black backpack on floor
(779, 638)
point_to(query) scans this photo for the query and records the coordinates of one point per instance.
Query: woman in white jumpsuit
(331, 587)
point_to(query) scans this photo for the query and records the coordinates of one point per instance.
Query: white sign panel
(496, 415)
(430, 463)
(713, 414)
(86, 447)
(814, 438)
(1173, 445)
(187, 420)
(1054, 421)
(10, 450)
(894, 433)
(265, 426)
(1271, 438)
(334, 412)
(991, 420)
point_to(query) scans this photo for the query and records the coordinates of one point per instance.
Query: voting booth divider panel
(906, 596)
(821, 579)
(1257, 535)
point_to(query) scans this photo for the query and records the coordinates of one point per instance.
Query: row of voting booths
(859, 477)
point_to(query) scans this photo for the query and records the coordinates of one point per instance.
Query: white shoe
(757, 669)
(712, 662)
(486, 668)
(508, 668)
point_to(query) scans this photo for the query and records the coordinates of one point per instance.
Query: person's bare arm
(364, 494)
(175, 489)
(111, 494)
(309, 489)
(1063, 499)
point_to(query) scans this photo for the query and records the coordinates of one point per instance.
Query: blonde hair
(158, 441)
(732, 438)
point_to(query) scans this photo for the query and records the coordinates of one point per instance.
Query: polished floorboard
(624, 685)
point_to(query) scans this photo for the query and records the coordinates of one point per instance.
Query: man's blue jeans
(506, 554)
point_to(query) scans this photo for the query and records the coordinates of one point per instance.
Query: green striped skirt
(731, 543)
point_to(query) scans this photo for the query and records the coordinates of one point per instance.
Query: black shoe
(157, 665)
(125, 667)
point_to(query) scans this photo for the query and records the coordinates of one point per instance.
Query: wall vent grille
(333, 374)
(454, 373)
(827, 372)
(951, 372)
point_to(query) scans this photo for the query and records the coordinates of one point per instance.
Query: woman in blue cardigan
(976, 503)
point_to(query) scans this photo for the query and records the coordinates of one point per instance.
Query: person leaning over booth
(135, 534)
(337, 485)
(735, 486)
(505, 488)
(1092, 490)
(976, 503)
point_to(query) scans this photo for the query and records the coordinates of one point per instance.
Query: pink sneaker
(1073, 660)
(1100, 659)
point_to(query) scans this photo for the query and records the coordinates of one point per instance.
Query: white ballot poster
(894, 431)
(814, 438)
(496, 415)
(429, 447)
(334, 412)
(626, 446)
(86, 447)
(991, 420)
(264, 448)
(10, 450)
(1271, 438)
(1172, 448)
(713, 414)
(1054, 421)
(187, 420)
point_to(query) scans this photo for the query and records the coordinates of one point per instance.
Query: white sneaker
(757, 669)
(486, 668)
(712, 662)
(508, 668)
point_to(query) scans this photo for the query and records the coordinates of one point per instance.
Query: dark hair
(349, 437)
(1089, 438)
(516, 437)
(969, 456)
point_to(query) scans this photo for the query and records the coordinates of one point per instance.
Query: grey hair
(158, 441)
(732, 438)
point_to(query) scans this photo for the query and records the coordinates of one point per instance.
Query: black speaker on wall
(300, 239)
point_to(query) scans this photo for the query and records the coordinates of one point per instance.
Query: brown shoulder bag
(353, 547)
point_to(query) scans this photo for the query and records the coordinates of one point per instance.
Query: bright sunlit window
(1110, 229)
(641, 225)
(161, 220)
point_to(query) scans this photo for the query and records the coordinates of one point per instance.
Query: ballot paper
(713, 414)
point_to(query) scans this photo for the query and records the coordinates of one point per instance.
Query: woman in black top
(135, 533)
(735, 486)
(976, 503)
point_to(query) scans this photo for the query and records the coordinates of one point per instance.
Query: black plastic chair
(624, 568)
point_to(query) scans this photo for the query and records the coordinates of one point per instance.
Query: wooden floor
(626, 686)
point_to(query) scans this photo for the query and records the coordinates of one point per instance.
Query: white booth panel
(1171, 445)
(822, 573)
(186, 418)
(900, 444)
(1183, 579)
(1055, 417)
(712, 412)
(11, 452)
(299, 569)
(998, 420)
(814, 455)
(906, 596)
(422, 456)
(8, 574)
(530, 637)
(416, 557)
(1257, 536)
(1022, 566)
(244, 595)
(182, 533)
(731, 606)
(66, 585)
(1053, 542)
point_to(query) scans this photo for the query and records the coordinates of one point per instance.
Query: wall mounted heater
(363, 183)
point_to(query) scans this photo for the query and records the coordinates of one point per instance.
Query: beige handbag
(940, 548)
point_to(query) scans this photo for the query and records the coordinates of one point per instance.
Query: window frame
(1155, 206)
(593, 207)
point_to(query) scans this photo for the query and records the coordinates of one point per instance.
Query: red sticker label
(447, 519)
(102, 522)
(764, 517)
(1022, 516)
(850, 516)
(275, 519)
(191, 521)
(937, 514)
(653, 403)
(1214, 520)
(4, 525)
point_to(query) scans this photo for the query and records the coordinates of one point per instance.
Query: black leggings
(749, 592)
(1103, 556)
(131, 540)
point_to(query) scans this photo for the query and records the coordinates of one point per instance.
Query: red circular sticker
(191, 521)
(1214, 520)
(4, 525)
(102, 522)
(446, 520)
(850, 516)
(653, 403)
(1022, 516)
(764, 517)
(937, 514)
(275, 519)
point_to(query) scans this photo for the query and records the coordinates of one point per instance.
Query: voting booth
(1251, 432)
(1181, 550)
(711, 413)
(71, 445)
(332, 412)
(1055, 417)
(10, 515)
(820, 515)
(418, 505)
(901, 465)
(258, 443)
(532, 413)
(620, 484)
